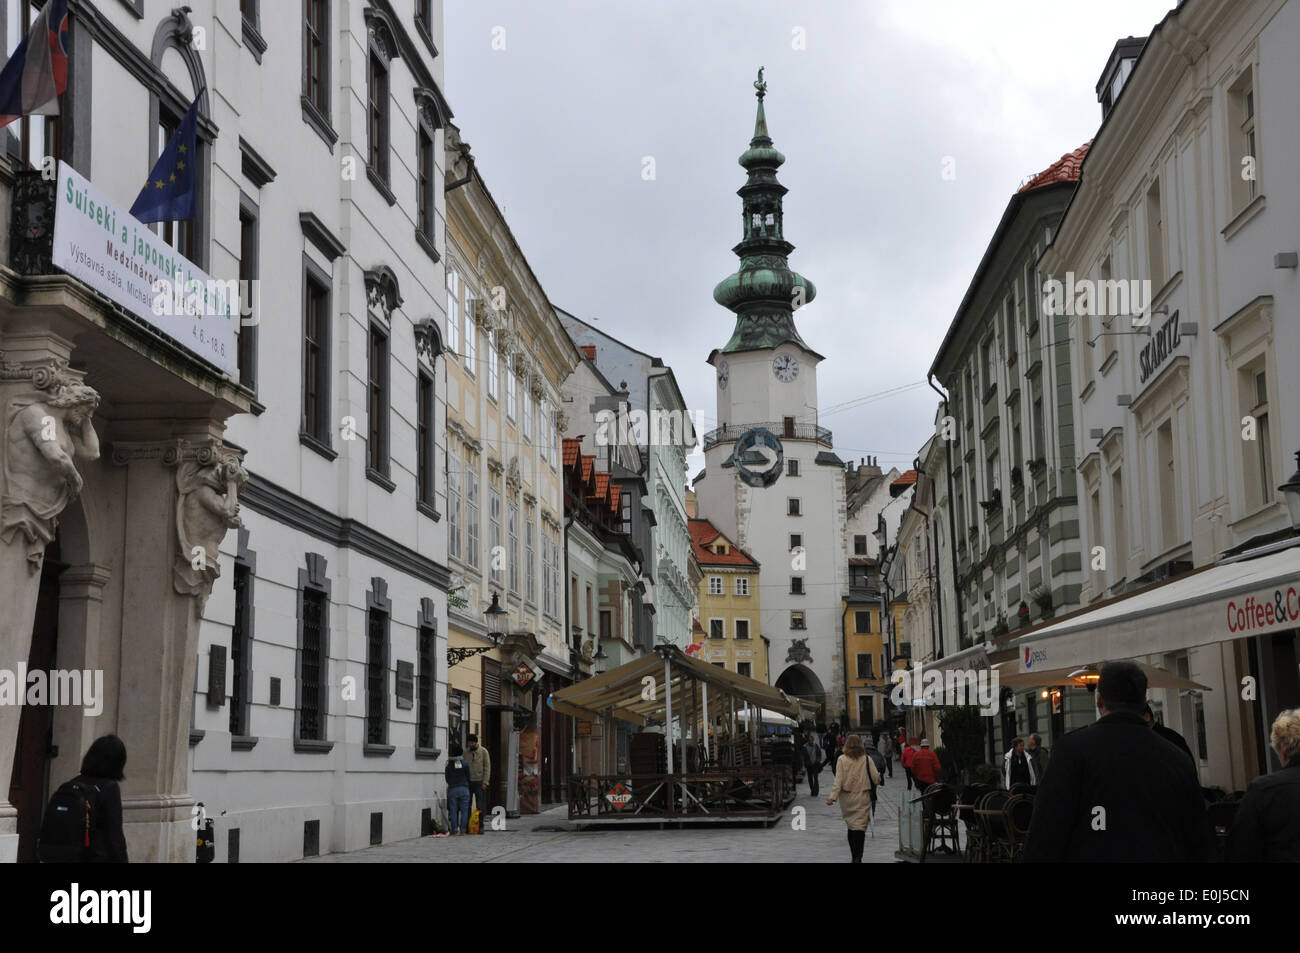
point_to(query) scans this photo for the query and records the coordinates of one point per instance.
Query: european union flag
(172, 193)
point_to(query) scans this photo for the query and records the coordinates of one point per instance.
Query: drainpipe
(844, 653)
(568, 632)
(929, 570)
(952, 526)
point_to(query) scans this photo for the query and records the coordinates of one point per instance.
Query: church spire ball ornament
(764, 292)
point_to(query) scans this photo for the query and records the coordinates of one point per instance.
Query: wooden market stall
(701, 754)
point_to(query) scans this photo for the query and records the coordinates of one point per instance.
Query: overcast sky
(882, 91)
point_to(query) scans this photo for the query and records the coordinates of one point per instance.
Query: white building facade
(288, 673)
(1186, 425)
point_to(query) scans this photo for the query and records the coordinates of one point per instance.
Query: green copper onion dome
(764, 293)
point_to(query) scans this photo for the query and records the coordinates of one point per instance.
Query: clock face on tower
(785, 367)
(724, 374)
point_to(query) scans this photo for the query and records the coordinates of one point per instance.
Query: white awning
(973, 659)
(1224, 602)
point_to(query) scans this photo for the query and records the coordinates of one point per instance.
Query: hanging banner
(99, 243)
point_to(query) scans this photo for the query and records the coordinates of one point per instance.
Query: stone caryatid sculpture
(208, 484)
(46, 431)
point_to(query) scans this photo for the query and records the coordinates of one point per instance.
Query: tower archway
(801, 681)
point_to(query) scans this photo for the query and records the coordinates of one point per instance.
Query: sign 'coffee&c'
(1156, 351)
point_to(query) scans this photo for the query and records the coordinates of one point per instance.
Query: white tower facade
(767, 378)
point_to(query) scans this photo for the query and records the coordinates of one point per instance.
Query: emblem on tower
(759, 457)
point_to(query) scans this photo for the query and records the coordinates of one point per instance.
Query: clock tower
(766, 376)
(765, 372)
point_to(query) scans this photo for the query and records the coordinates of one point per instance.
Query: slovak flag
(37, 73)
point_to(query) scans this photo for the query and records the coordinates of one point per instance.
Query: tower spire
(764, 293)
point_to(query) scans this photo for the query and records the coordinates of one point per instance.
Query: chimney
(590, 351)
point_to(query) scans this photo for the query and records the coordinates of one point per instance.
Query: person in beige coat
(855, 776)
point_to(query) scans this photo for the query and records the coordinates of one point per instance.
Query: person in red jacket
(925, 766)
(906, 759)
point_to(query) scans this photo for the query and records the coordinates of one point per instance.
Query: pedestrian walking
(878, 760)
(1116, 791)
(458, 790)
(1017, 768)
(887, 749)
(1171, 736)
(855, 775)
(1267, 826)
(906, 759)
(926, 768)
(813, 759)
(480, 775)
(83, 822)
(830, 744)
(1038, 756)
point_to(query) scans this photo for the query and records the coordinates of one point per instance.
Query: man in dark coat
(1038, 756)
(1117, 791)
(1267, 826)
(1167, 733)
(813, 760)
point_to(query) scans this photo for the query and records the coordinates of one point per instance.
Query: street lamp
(1291, 491)
(495, 619)
(600, 658)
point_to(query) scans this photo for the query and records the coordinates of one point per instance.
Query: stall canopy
(626, 692)
(1231, 600)
(1156, 677)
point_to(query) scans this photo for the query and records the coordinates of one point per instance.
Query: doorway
(29, 785)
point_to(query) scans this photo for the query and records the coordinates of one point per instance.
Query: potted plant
(1022, 614)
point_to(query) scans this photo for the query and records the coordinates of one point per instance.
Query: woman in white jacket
(1019, 763)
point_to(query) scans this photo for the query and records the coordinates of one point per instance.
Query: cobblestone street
(537, 839)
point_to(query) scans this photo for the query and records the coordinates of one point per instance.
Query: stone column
(181, 498)
(81, 607)
(45, 416)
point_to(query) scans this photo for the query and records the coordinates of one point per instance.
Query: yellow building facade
(507, 358)
(728, 603)
(866, 663)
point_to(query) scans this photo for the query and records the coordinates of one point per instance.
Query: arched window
(181, 79)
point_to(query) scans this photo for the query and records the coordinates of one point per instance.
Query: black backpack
(878, 760)
(69, 825)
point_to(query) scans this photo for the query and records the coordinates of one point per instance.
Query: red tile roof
(1064, 169)
(614, 492)
(572, 447)
(588, 464)
(602, 485)
(907, 479)
(704, 536)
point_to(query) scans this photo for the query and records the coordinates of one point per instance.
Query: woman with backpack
(83, 822)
